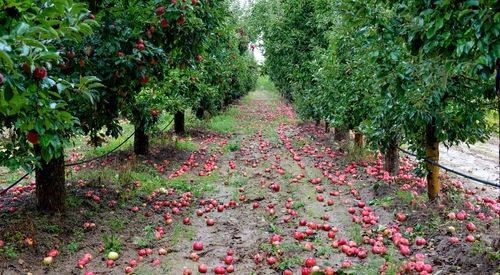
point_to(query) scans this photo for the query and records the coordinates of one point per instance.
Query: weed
(276, 229)
(149, 233)
(480, 247)
(356, 234)
(233, 147)
(323, 250)
(76, 239)
(434, 223)
(74, 202)
(297, 205)
(288, 262)
(112, 243)
(238, 181)
(225, 122)
(178, 229)
(9, 251)
(386, 200)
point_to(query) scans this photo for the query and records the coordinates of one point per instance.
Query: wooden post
(432, 153)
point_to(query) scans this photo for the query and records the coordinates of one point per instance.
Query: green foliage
(32, 95)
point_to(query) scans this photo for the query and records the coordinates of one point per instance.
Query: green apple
(112, 255)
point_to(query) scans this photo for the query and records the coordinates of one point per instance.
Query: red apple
(470, 238)
(421, 241)
(219, 270)
(471, 226)
(310, 262)
(202, 268)
(228, 260)
(198, 246)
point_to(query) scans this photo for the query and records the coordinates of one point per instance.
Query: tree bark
(51, 185)
(340, 134)
(179, 123)
(141, 141)
(391, 158)
(318, 122)
(327, 127)
(358, 140)
(432, 153)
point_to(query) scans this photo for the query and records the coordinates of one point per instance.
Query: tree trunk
(432, 153)
(179, 123)
(199, 113)
(141, 141)
(340, 134)
(50, 185)
(391, 158)
(327, 127)
(318, 122)
(358, 140)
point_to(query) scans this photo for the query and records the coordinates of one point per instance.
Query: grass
(117, 224)
(224, 123)
(264, 83)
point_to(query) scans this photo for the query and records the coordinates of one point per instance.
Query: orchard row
(419, 73)
(76, 67)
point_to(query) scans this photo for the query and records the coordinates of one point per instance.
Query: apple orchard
(143, 136)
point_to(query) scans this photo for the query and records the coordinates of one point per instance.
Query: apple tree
(34, 103)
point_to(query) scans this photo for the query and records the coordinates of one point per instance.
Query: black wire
(450, 170)
(72, 164)
(168, 125)
(12, 185)
(83, 161)
(101, 156)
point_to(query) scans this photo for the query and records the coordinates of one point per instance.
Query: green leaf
(6, 59)
(49, 55)
(21, 28)
(34, 43)
(36, 29)
(430, 32)
(439, 23)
